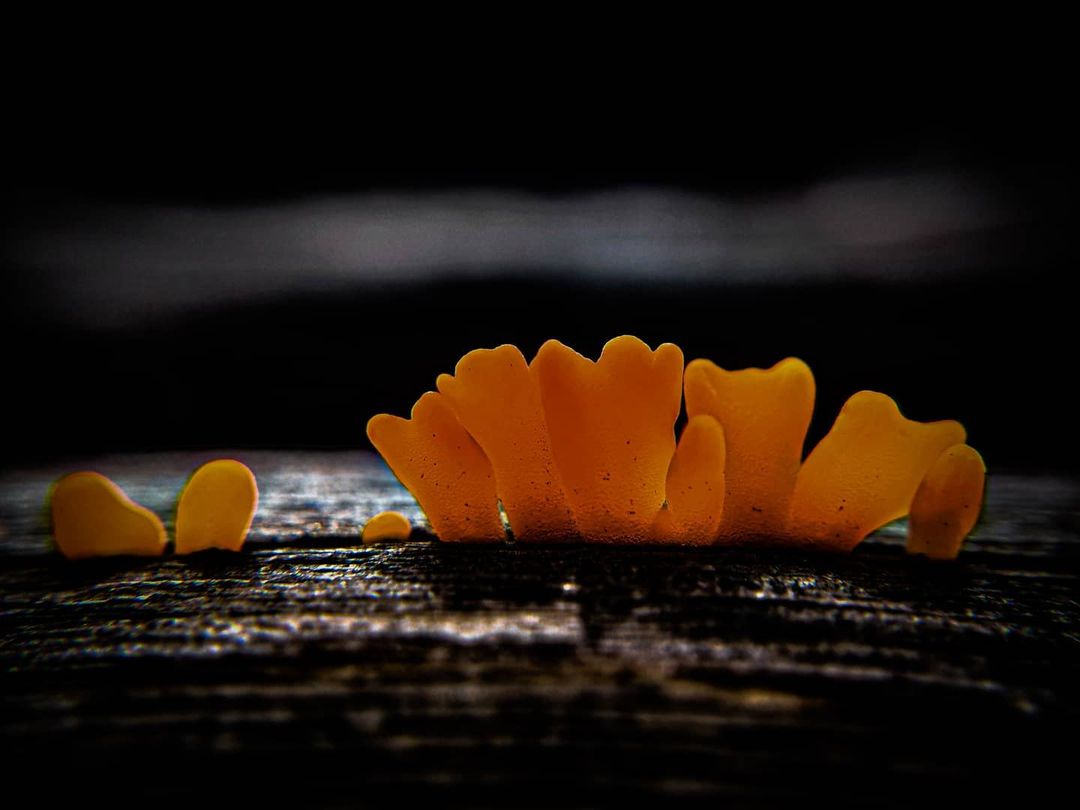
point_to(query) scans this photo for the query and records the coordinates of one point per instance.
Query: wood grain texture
(310, 669)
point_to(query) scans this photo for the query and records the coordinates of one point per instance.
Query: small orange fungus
(864, 473)
(947, 504)
(497, 401)
(694, 485)
(611, 425)
(93, 517)
(765, 414)
(386, 526)
(216, 507)
(443, 466)
(577, 450)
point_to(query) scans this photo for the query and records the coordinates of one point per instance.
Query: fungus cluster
(565, 449)
(93, 517)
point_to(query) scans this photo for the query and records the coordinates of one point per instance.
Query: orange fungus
(386, 526)
(864, 473)
(695, 485)
(93, 517)
(612, 430)
(497, 401)
(582, 450)
(443, 467)
(216, 507)
(947, 503)
(765, 415)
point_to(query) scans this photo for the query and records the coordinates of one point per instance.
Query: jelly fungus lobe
(216, 507)
(386, 526)
(93, 517)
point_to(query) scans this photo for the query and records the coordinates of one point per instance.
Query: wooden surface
(311, 670)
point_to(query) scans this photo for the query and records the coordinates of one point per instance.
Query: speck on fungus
(499, 424)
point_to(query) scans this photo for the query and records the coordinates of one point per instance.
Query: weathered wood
(311, 667)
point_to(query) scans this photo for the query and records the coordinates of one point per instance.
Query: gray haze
(110, 264)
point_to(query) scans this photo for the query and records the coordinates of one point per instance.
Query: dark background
(157, 300)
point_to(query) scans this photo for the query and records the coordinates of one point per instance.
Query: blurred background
(150, 305)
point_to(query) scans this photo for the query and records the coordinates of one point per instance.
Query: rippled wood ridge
(313, 669)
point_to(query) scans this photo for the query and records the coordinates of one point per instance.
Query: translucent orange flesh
(864, 473)
(695, 486)
(947, 504)
(765, 415)
(386, 526)
(584, 450)
(497, 401)
(443, 467)
(93, 517)
(216, 507)
(611, 426)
